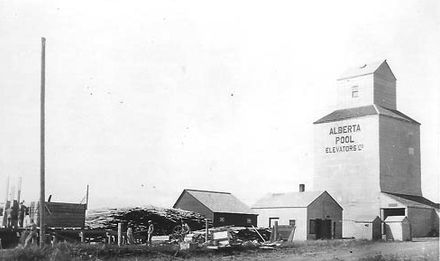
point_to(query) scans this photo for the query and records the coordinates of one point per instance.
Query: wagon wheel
(177, 231)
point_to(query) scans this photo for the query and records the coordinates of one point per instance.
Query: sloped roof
(412, 201)
(395, 219)
(394, 114)
(287, 200)
(220, 202)
(366, 218)
(357, 112)
(364, 69)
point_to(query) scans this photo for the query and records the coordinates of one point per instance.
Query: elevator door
(393, 212)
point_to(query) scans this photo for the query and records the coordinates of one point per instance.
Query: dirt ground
(418, 249)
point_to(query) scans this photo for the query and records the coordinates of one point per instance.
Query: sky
(147, 98)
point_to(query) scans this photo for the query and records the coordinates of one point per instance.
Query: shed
(315, 214)
(368, 227)
(222, 208)
(422, 213)
(398, 228)
(60, 214)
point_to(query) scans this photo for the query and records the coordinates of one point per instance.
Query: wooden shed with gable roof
(222, 208)
(315, 214)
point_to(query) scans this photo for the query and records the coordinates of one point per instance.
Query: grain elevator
(367, 153)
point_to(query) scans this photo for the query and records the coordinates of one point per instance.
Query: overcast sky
(146, 98)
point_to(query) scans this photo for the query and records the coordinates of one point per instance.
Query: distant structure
(222, 208)
(314, 214)
(367, 153)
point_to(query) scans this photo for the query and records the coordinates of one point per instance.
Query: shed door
(326, 229)
(323, 229)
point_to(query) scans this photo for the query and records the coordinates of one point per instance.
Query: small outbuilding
(422, 214)
(368, 227)
(398, 228)
(315, 214)
(222, 208)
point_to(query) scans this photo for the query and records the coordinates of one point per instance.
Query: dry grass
(305, 250)
(69, 251)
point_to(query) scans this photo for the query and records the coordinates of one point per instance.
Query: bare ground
(419, 249)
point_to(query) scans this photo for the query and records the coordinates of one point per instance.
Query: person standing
(21, 214)
(27, 218)
(8, 213)
(14, 214)
(185, 230)
(150, 232)
(130, 236)
(32, 236)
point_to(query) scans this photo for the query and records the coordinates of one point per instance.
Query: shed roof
(288, 200)
(366, 218)
(412, 201)
(364, 69)
(357, 112)
(220, 202)
(396, 219)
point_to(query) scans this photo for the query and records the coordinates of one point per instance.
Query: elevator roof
(350, 113)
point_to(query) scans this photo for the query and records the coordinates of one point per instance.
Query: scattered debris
(221, 237)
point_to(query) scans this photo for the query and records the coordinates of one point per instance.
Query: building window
(312, 226)
(221, 219)
(354, 92)
(292, 222)
(249, 220)
(272, 221)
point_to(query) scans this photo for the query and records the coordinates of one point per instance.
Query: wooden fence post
(119, 234)
(275, 231)
(206, 230)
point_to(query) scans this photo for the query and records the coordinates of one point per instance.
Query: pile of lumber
(164, 219)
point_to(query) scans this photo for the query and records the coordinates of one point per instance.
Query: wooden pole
(42, 140)
(206, 230)
(256, 230)
(12, 194)
(7, 190)
(5, 220)
(87, 197)
(19, 190)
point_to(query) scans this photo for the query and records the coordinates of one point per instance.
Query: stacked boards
(164, 219)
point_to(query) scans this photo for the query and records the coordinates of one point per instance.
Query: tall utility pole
(42, 136)
(7, 192)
